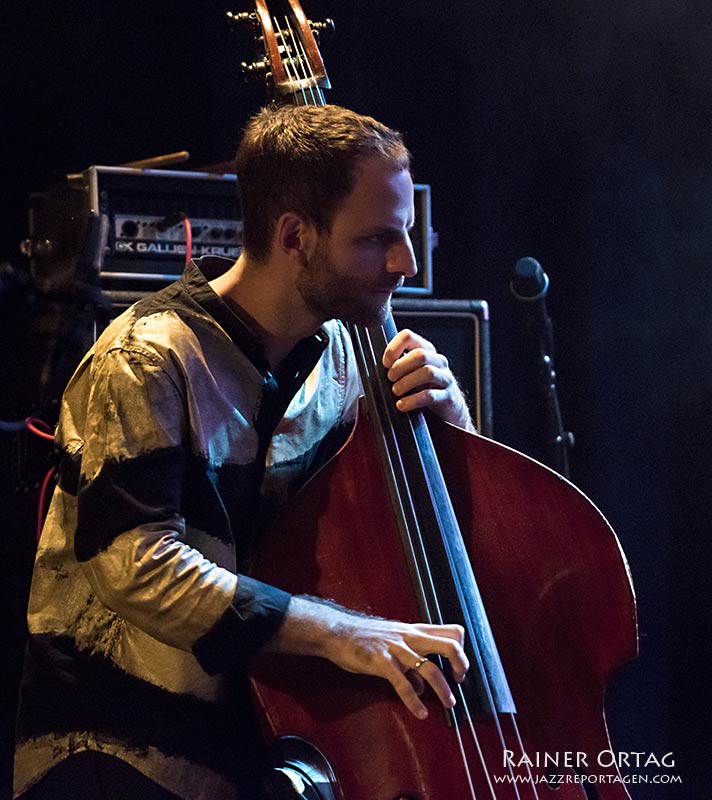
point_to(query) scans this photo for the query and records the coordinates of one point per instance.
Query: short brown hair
(303, 159)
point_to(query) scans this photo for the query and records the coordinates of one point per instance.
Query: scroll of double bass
(417, 520)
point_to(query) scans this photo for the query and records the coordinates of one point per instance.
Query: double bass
(417, 520)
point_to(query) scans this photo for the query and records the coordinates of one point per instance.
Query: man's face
(368, 253)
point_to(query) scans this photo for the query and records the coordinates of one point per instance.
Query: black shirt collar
(236, 323)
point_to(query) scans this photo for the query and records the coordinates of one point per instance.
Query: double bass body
(556, 591)
(558, 597)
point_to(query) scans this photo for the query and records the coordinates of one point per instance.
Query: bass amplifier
(121, 228)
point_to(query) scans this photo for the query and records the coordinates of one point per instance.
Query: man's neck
(277, 311)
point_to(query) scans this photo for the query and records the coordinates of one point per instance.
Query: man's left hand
(422, 378)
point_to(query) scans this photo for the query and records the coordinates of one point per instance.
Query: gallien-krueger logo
(174, 249)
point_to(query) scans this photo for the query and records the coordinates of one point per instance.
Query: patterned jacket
(177, 444)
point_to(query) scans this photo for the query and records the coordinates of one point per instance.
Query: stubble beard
(330, 295)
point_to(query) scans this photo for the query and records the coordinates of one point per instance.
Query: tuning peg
(240, 18)
(327, 26)
(254, 69)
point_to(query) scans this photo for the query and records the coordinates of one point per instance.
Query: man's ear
(294, 236)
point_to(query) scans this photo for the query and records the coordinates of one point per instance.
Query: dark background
(577, 132)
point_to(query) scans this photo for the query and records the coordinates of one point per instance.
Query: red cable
(35, 425)
(43, 501)
(188, 240)
(40, 428)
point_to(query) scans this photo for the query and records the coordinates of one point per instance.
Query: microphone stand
(530, 285)
(560, 441)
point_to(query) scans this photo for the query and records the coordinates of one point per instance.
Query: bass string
(303, 61)
(408, 520)
(434, 472)
(294, 58)
(315, 97)
(522, 752)
(375, 375)
(309, 81)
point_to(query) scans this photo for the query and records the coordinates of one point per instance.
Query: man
(196, 414)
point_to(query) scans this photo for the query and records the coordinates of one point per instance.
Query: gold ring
(419, 663)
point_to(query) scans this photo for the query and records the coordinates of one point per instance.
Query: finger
(411, 663)
(427, 377)
(416, 680)
(405, 681)
(427, 398)
(450, 646)
(402, 341)
(431, 673)
(414, 360)
(405, 689)
(444, 631)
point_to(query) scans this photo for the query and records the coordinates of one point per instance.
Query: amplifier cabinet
(122, 227)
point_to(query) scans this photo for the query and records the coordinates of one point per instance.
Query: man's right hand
(372, 646)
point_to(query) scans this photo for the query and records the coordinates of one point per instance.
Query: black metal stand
(559, 440)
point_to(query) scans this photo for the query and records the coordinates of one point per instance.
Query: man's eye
(379, 238)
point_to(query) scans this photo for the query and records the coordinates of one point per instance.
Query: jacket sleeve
(130, 532)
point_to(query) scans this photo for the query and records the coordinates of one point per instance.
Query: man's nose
(401, 258)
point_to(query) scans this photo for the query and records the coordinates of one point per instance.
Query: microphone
(529, 284)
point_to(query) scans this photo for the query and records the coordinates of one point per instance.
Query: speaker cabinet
(459, 329)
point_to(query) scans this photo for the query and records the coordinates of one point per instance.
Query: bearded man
(197, 413)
